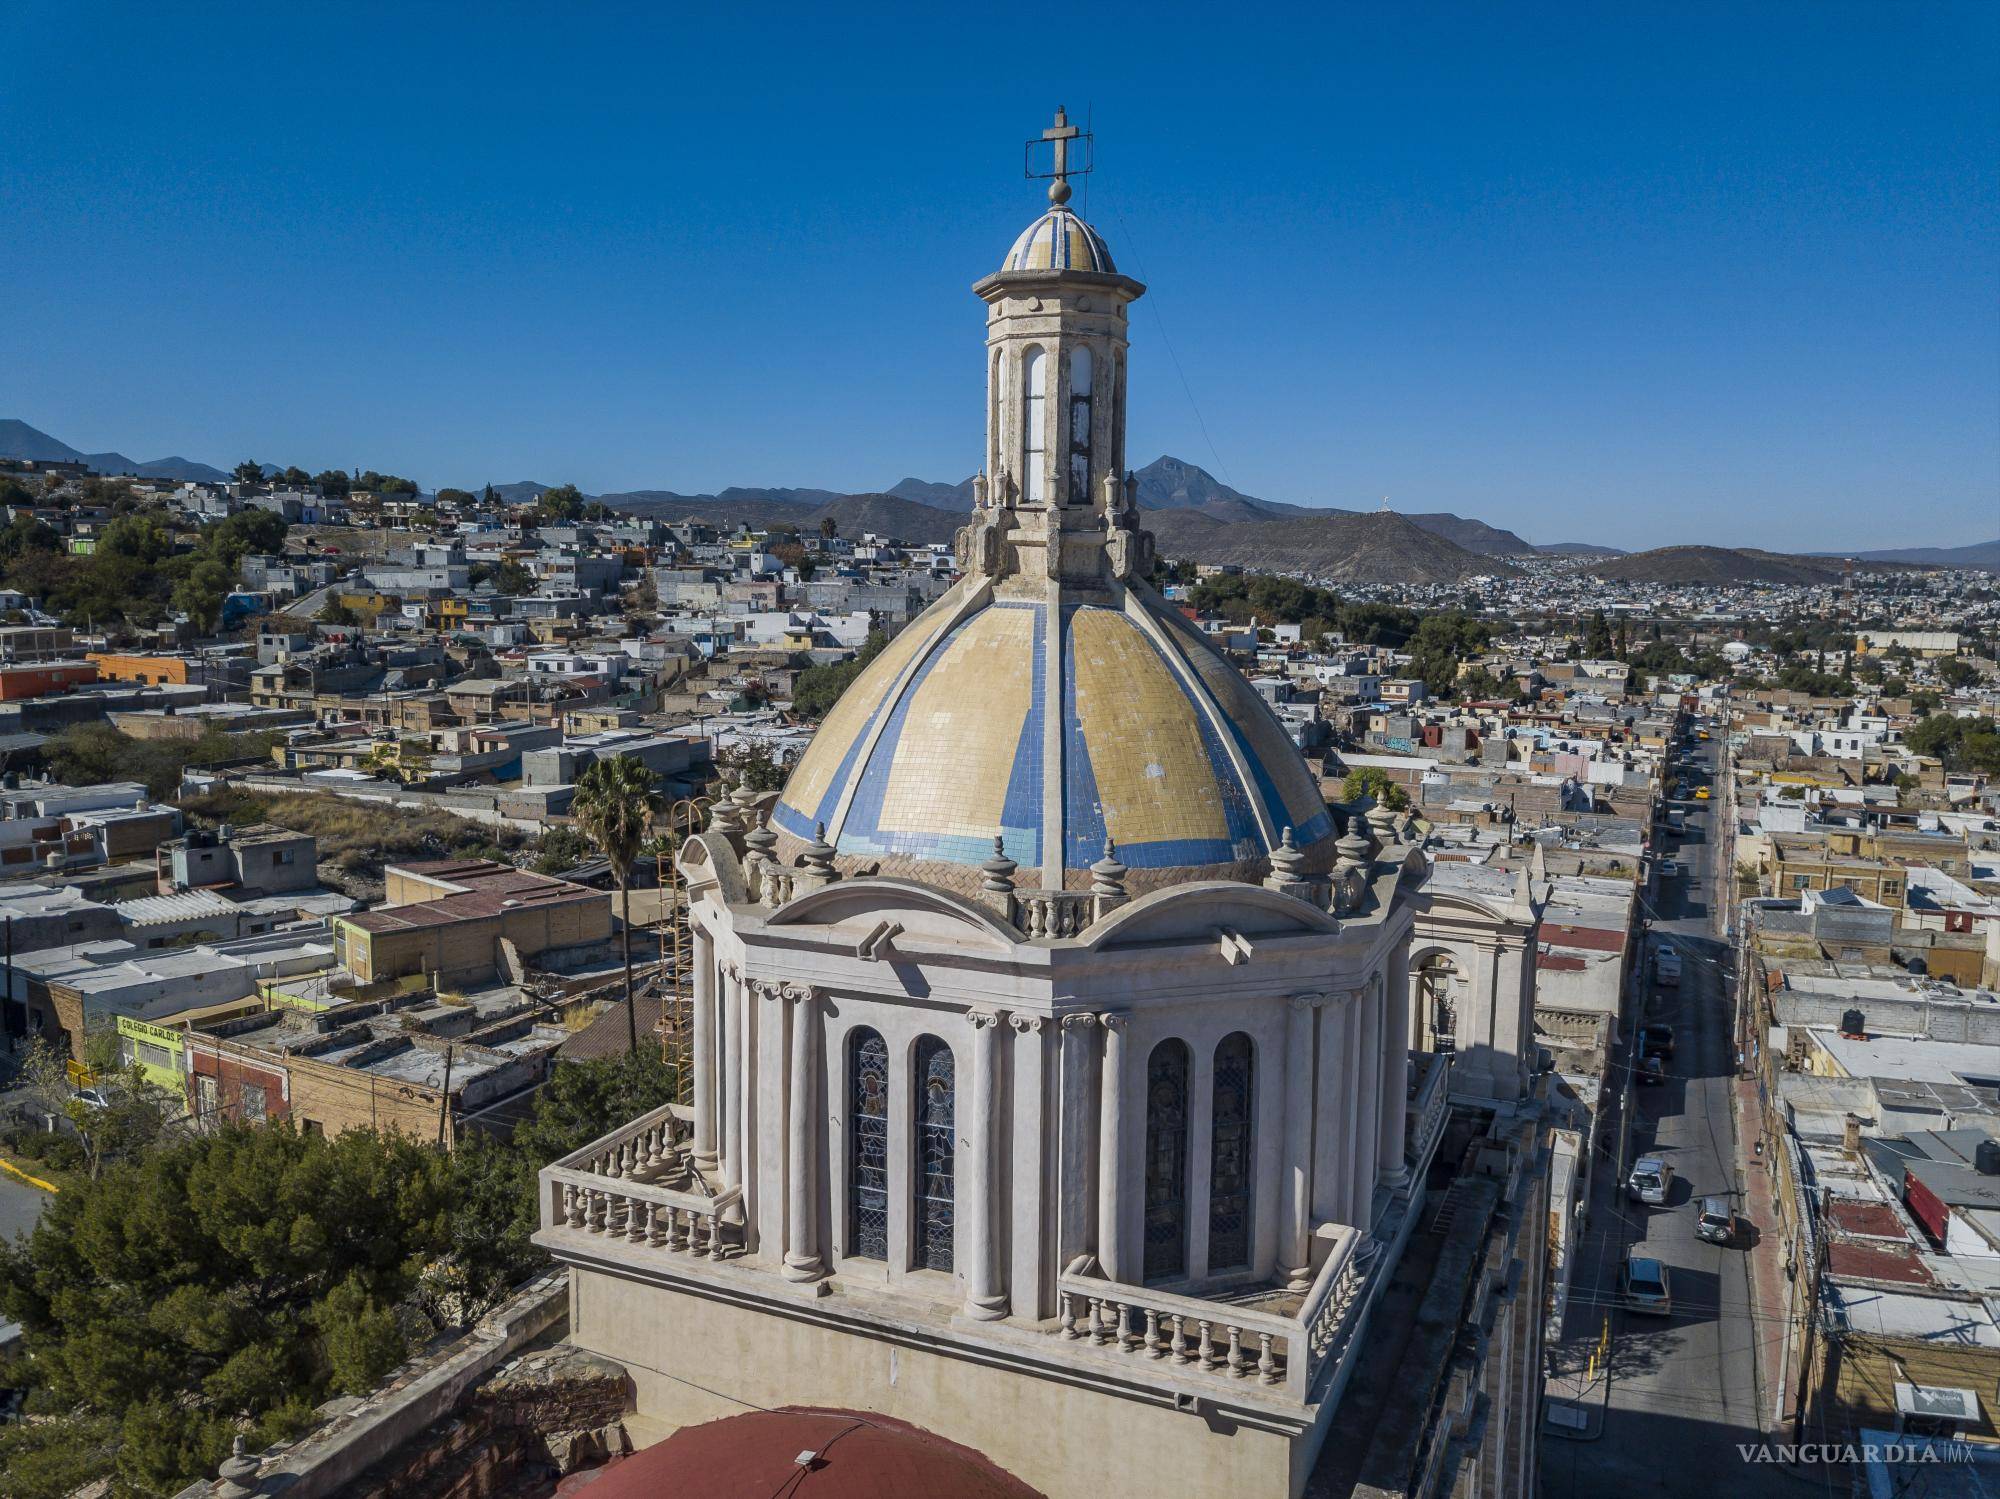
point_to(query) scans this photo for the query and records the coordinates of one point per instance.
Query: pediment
(926, 915)
(1192, 913)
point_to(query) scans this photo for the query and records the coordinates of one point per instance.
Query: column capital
(1027, 1025)
(1078, 1020)
(1115, 1021)
(1311, 999)
(982, 1019)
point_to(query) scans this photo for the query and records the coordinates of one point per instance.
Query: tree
(296, 477)
(615, 800)
(334, 612)
(249, 471)
(334, 482)
(1371, 782)
(561, 848)
(1440, 644)
(512, 579)
(450, 496)
(753, 767)
(202, 593)
(563, 504)
(816, 689)
(828, 528)
(1597, 640)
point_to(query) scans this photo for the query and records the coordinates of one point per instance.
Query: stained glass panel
(1229, 1156)
(936, 1158)
(868, 1173)
(1166, 1161)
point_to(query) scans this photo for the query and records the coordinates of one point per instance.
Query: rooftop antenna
(1059, 137)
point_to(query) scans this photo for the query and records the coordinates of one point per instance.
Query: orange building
(151, 671)
(18, 682)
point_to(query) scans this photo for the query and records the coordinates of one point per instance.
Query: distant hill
(1981, 554)
(1580, 549)
(19, 440)
(1174, 484)
(1338, 546)
(1473, 535)
(927, 492)
(1702, 564)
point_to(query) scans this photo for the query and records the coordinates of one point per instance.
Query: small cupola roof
(1059, 241)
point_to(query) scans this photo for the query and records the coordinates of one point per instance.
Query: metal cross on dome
(1058, 136)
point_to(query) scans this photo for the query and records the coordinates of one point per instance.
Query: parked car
(1667, 966)
(91, 1098)
(1652, 1071)
(1670, 869)
(1714, 1220)
(1656, 1040)
(1701, 793)
(1646, 1285)
(1650, 1181)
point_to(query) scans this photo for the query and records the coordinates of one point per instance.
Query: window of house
(1229, 1179)
(937, 1164)
(1034, 394)
(250, 1103)
(868, 1133)
(1166, 1161)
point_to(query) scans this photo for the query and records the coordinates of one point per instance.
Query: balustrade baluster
(1238, 1365)
(1066, 1317)
(1098, 1332)
(1128, 1335)
(1156, 1346)
(1267, 1361)
(1210, 1358)
(1179, 1347)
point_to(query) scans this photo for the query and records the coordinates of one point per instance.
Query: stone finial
(999, 870)
(817, 860)
(234, 1479)
(1107, 879)
(723, 817)
(1288, 869)
(1352, 848)
(1382, 822)
(760, 840)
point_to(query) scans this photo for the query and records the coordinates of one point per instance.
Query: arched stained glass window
(1166, 1161)
(936, 1160)
(868, 1134)
(1079, 426)
(1229, 1181)
(1034, 432)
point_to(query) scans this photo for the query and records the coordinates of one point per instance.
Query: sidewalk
(1767, 1270)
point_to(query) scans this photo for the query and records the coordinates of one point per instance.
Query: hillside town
(1712, 903)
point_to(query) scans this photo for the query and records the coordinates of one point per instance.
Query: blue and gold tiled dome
(1161, 747)
(1059, 241)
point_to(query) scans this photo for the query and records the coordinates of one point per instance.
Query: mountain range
(19, 440)
(1193, 515)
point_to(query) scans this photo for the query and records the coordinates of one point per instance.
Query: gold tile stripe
(850, 716)
(956, 751)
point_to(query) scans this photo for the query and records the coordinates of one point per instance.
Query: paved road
(1682, 1390)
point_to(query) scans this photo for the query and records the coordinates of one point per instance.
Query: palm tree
(615, 800)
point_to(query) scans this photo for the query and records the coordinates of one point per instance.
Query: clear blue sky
(1632, 274)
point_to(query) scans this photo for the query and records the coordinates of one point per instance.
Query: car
(1701, 793)
(1651, 1071)
(1670, 869)
(1650, 1181)
(1656, 1040)
(91, 1098)
(1680, 791)
(1714, 1220)
(1646, 1285)
(1667, 967)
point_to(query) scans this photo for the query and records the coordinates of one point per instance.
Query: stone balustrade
(1201, 1337)
(1431, 1106)
(652, 1148)
(1054, 913)
(639, 1184)
(1328, 1312)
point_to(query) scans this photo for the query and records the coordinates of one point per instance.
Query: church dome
(1099, 728)
(1059, 241)
(760, 1453)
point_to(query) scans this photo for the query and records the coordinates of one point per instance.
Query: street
(1682, 1389)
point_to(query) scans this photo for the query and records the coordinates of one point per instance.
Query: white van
(1667, 967)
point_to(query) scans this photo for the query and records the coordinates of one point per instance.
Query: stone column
(1295, 1251)
(706, 1063)
(985, 1275)
(1334, 1106)
(802, 1258)
(1026, 1187)
(1110, 1133)
(1368, 1064)
(733, 1016)
(1395, 1064)
(1076, 1202)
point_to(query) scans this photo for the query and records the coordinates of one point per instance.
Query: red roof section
(1873, 1220)
(755, 1455)
(1895, 1264)
(1590, 938)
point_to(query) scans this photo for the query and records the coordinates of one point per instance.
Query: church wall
(1069, 1441)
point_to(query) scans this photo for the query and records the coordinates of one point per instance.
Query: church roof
(1059, 241)
(807, 1454)
(1159, 748)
